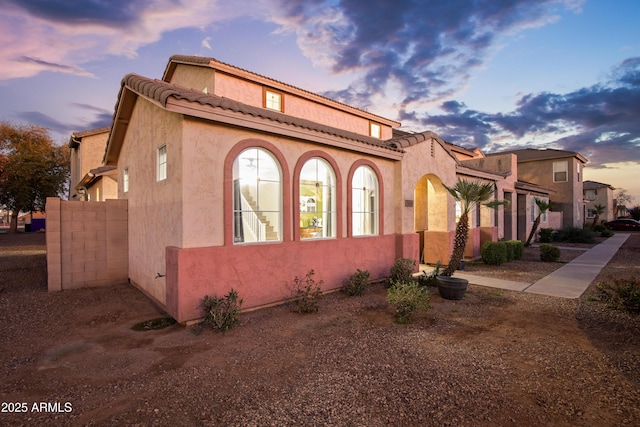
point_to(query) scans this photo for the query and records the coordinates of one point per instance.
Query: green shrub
(549, 253)
(223, 313)
(306, 293)
(622, 294)
(358, 283)
(575, 235)
(515, 248)
(599, 228)
(402, 270)
(606, 233)
(545, 235)
(494, 253)
(407, 297)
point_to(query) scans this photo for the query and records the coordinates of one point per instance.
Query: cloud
(205, 43)
(600, 121)
(426, 49)
(75, 32)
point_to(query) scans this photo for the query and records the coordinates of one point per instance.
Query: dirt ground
(496, 358)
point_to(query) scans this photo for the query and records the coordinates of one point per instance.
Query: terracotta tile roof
(405, 139)
(232, 69)
(161, 91)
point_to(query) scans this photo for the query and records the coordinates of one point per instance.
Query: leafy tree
(543, 207)
(32, 168)
(600, 209)
(470, 194)
(621, 199)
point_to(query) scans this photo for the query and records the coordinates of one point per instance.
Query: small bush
(407, 297)
(545, 235)
(306, 293)
(599, 228)
(402, 270)
(575, 235)
(621, 294)
(223, 313)
(549, 253)
(516, 248)
(358, 283)
(606, 233)
(494, 253)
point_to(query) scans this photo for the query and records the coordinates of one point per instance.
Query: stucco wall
(155, 207)
(87, 243)
(263, 273)
(87, 156)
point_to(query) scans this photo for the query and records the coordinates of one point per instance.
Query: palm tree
(470, 194)
(543, 207)
(600, 209)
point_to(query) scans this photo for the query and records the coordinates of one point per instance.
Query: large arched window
(364, 202)
(317, 199)
(257, 197)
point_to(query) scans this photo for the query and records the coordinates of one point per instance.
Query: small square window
(273, 100)
(560, 171)
(162, 163)
(375, 130)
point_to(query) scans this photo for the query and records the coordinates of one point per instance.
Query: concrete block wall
(87, 243)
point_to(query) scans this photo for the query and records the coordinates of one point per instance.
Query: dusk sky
(494, 74)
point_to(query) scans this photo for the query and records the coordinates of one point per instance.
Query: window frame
(328, 216)
(375, 125)
(161, 162)
(564, 169)
(236, 205)
(378, 213)
(125, 180)
(265, 99)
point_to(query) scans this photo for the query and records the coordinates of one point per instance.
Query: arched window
(257, 197)
(364, 202)
(317, 199)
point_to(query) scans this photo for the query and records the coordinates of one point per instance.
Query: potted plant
(469, 193)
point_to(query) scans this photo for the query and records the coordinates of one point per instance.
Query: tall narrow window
(273, 100)
(162, 163)
(257, 197)
(375, 130)
(364, 200)
(560, 171)
(317, 200)
(125, 180)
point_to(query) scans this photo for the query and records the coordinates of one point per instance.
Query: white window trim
(161, 166)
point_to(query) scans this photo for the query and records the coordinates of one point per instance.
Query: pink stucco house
(235, 180)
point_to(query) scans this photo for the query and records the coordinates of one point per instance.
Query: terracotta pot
(452, 288)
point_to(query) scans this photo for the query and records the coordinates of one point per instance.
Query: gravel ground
(496, 358)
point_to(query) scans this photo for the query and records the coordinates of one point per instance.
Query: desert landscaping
(495, 358)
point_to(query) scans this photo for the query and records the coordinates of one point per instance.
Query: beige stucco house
(597, 193)
(559, 171)
(236, 180)
(90, 180)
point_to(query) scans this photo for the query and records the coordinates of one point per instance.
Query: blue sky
(496, 74)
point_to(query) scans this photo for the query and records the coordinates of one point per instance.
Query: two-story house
(597, 193)
(236, 180)
(90, 180)
(559, 171)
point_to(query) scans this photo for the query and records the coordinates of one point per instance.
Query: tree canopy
(32, 168)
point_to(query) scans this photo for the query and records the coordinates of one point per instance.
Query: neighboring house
(559, 171)
(235, 180)
(89, 179)
(597, 193)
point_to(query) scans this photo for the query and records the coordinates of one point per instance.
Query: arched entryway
(430, 218)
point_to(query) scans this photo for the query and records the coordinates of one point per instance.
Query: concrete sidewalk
(569, 281)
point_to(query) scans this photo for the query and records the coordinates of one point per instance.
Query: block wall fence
(87, 243)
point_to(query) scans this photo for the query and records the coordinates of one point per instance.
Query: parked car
(623, 224)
